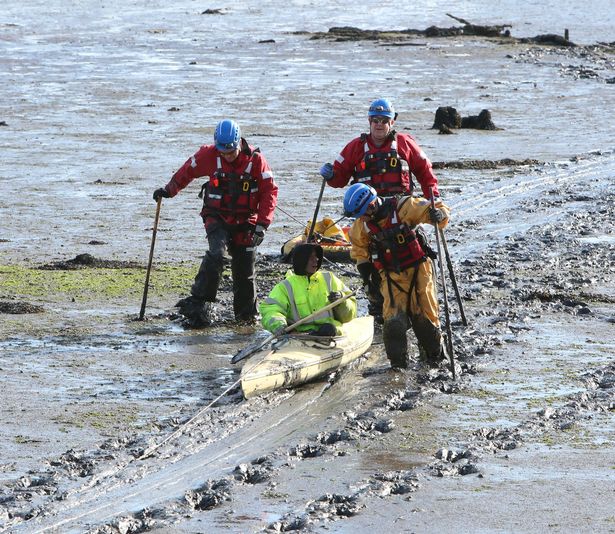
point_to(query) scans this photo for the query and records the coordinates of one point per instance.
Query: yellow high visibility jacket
(298, 296)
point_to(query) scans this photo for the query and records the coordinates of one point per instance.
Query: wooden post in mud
(151, 257)
(566, 34)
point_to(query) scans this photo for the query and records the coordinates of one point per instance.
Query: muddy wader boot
(244, 283)
(429, 337)
(197, 308)
(395, 341)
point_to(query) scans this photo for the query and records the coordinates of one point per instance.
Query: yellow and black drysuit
(300, 295)
(391, 242)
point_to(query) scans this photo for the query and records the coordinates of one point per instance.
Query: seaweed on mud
(484, 164)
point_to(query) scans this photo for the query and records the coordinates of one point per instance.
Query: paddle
(248, 351)
(151, 257)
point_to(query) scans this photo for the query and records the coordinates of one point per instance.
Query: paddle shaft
(449, 334)
(249, 351)
(151, 257)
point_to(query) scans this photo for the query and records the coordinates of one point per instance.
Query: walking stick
(451, 273)
(322, 190)
(447, 316)
(151, 257)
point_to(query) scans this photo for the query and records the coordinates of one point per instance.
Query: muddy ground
(528, 422)
(116, 425)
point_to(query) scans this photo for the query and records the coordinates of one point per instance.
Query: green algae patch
(20, 281)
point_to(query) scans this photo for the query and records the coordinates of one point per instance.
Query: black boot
(429, 337)
(395, 341)
(197, 312)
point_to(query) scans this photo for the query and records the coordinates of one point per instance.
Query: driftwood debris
(398, 37)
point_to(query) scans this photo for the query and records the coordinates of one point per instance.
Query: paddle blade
(248, 351)
(243, 354)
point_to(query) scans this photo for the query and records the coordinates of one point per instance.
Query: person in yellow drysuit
(305, 290)
(385, 236)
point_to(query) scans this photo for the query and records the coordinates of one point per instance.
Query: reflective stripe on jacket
(298, 296)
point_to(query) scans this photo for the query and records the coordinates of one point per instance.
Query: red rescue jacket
(387, 168)
(240, 192)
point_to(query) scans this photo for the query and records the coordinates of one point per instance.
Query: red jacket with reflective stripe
(205, 163)
(353, 153)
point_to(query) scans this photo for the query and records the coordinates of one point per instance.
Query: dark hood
(301, 255)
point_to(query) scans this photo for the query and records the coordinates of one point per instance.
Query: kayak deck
(297, 359)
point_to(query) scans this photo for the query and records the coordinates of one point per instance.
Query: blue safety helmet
(381, 108)
(227, 135)
(357, 198)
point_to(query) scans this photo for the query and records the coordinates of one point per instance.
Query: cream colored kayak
(297, 359)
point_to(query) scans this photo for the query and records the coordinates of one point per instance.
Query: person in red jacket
(239, 199)
(385, 160)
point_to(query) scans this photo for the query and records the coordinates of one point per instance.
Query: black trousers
(243, 260)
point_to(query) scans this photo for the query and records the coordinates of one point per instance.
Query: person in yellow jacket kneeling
(305, 290)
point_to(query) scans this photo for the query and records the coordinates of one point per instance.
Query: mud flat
(522, 441)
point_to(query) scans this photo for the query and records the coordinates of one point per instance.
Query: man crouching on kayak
(304, 291)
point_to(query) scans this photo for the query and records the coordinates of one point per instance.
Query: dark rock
(482, 121)
(447, 116)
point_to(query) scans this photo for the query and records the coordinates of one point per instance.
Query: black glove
(436, 215)
(365, 270)
(280, 330)
(258, 235)
(335, 295)
(161, 193)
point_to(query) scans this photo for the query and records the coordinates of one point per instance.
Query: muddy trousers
(243, 261)
(410, 300)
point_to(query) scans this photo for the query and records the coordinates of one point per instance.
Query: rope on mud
(148, 452)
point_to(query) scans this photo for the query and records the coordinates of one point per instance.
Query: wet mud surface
(112, 425)
(510, 288)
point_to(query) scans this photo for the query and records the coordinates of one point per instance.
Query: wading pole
(151, 257)
(451, 273)
(447, 316)
(322, 190)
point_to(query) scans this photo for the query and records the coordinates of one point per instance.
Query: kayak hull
(298, 359)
